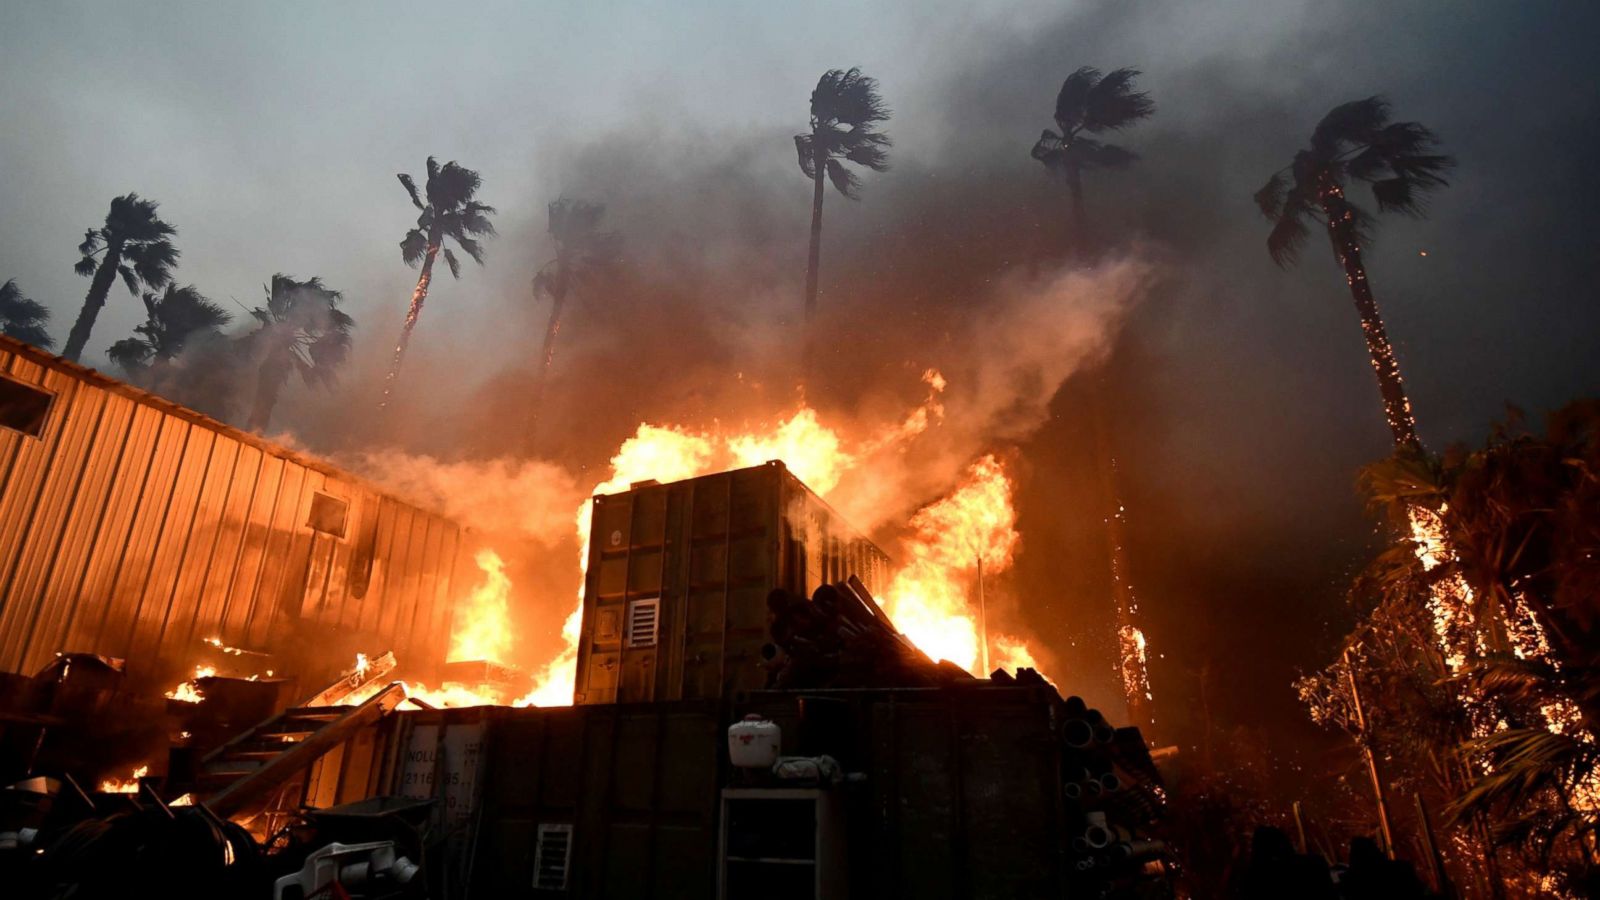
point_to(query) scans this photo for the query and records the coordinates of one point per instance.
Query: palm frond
(807, 157)
(22, 318)
(844, 180)
(130, 354)
(869, 153)
(1072, 102)
(1400, 195)
(1113, 104)
(848, 97)
(450, 259)
(413, 247)
(474, 222)
(1286, 238)
(1271, 196)
(1526, 761)
(129, 278)
(470, 246)
(1093, 154)
(1356, 122)
(153, 261)
(132, 218)
(410, 185)
(1047, 147)
(452, 186)
(91, 242)
(85, 266)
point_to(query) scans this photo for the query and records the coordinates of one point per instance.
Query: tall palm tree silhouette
(450, 212)
(845, 110)
(134, 243)
(1356, 141)
(1090, 103)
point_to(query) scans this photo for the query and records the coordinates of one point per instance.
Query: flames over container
(675, 601)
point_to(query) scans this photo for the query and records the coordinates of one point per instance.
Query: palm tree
(450, 212)
(173, 319)
(1091, 103)
(844, 108)
(1356, 141)
(301, 330)
(135, 244)
(22, 318)
(583, 254)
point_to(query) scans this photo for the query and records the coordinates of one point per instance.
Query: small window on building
(552, 857)
(24, 407)
(643, 620)
(328, 514)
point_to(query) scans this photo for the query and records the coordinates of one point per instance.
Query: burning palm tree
(1357, 142)
(173, 319)
(451, 212)
(1091, 103)
(302, 330)
(22, 318)
(583, 254)
(133, 243)
(845, 107)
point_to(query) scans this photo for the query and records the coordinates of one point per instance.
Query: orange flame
(931, 598)
(928, 599)
(482, 623)
(129, 785)
(189, 691)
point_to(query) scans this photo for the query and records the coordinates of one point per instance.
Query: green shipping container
(675, 604)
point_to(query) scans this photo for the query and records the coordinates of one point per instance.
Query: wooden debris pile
(841, 638)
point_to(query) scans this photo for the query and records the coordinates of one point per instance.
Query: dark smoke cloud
(1240, 398)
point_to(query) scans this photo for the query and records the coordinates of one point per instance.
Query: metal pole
(1378, 793)
(983, 622)
(1430, 844)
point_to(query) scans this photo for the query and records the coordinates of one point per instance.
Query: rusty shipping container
(133, 527)
(675, 601)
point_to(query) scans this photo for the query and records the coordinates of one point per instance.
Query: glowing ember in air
(1134, 659)
(929, 599)
(482, 623)
(130, 785)
(189, 691)
(217, 643)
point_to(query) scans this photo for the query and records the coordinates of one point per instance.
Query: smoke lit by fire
(933, 598)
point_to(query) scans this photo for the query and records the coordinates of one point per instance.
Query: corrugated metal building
(133, 527)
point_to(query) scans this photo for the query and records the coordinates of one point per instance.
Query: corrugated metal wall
(135, 528)
(707, 551)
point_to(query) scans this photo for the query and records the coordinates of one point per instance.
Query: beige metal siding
(136, 528)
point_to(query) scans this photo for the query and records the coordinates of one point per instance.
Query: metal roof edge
(103, 381)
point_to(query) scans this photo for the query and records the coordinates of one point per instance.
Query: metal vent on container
(644, 617)
(552, 857)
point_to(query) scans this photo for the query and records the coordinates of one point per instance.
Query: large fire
(933, 599)
(968, 535)
(482, 621)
